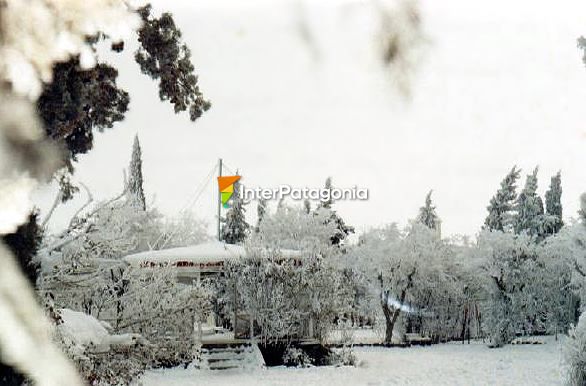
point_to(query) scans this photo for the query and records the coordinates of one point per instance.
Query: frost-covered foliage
(343, 356)
(289, 293)
(509, 264)
(557, 284)
(529, 208)
(287, 297)
(528, 285)
(235, 228)
(325, 209)
(83, 271)
(36, 35)
(180, 231)
(408, 273)
(500, 210)
(294, 228)
(135, 182)
(296, 357)
(553, 205)
(575, 354)
(102, 358)
(164, 311)
(148, 321)
(427, 215)
(112, 229)
(82, 266)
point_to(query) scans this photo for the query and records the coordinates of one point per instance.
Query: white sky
(501, 83)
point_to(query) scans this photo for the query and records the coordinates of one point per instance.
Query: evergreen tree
(553, 205)
(529, 216)
(427, 215)
(135, 182)
(261, 210)
(235, 227)
(343, 230)
(500, 216)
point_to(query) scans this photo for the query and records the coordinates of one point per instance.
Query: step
(225, 365)
(233, 350)
(225, 358)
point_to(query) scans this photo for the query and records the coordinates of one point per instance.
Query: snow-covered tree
(575, 354)
(342, 230)
(294, 228)
(553, 222)
(554, 282)
(135, 182)
(427, 215)
(402, 269)
(235, 228)
(290, 293)
(508, 264)
(164, 311)
(180, 231)
(287, 297)
(261, 210)
(35, 36)
(575, 253)
(500, 210)
(529, 208)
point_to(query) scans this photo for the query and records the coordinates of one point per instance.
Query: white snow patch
(443, 364)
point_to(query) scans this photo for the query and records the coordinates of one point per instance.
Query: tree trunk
(391, 315)
(389, 320)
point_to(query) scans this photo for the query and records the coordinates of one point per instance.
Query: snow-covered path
(446, 364)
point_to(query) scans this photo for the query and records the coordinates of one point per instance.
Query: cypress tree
(553, 206)
(529, 217)
(427, 215)
(501, 206)
(135, 182)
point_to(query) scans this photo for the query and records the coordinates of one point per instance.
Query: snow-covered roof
(210, 252)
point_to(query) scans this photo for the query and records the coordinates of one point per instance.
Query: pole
(219, 198)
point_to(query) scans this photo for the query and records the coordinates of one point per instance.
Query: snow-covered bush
(148, 322)
(343, 356)
(296, 357)
(102, 358)
(164, 311)
(575, 354)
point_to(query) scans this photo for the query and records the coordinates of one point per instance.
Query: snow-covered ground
(444, 364)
